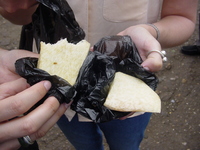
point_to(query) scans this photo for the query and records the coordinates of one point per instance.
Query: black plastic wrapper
(126, 57)
(61, 89)
(92, 85)
(111, 54)
(52, 21)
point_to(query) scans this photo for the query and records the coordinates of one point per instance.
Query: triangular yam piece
(130, 94)
(63, 59)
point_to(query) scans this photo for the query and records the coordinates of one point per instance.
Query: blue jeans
(120, 134)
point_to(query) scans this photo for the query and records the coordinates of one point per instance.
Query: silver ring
(162, 54)
(28, 140)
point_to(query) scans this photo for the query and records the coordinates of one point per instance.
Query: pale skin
(17, 97)
(178, 19)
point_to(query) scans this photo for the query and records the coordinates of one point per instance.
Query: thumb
(154, 62)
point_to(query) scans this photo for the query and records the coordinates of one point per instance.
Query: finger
(12, 88)
(122, 118)
(30, 123)
(50, 123)
(153, 63)
(23, 101)
(11, 145)
(91, 49)
(12, 56)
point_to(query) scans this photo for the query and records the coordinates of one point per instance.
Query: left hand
(145, 42)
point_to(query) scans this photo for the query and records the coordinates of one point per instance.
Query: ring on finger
(25, 141)
(162, 54)
(28, 140)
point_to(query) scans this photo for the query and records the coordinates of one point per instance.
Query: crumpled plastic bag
(61, 89)
(53, 20)
(111, 54)
(95, 76)
(127, 59)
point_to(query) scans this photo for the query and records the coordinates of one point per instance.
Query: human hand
(145, 42)
(15, 100)
(7, 63)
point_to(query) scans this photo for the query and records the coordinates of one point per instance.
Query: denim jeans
(120, 134)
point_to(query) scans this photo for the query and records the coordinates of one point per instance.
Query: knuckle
(17, 106)
(51, 105)
(40, 134)
(29, 127)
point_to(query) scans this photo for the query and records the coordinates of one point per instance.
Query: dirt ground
(177, 127)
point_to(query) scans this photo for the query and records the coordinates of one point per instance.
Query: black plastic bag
(61, 89)
(52, 21)
(112, 54)
(92, 87)
(127, 59)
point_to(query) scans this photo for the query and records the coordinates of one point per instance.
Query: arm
(178, 19)
(177, 23)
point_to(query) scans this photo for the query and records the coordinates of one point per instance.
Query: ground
(177, 127)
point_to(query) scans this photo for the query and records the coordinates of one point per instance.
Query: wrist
(152, 29)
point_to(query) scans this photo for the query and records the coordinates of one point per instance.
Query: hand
(7, 63)
(15, 100)
(145, 42)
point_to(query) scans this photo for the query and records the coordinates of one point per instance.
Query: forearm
(174, 30)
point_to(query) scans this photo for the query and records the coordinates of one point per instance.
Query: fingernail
(146, 68)
(67, 105)
(47, 85)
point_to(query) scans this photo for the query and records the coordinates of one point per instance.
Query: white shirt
(100, 18)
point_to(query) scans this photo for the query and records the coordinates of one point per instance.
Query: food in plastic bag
(127, 59)
(97, 73)
(54, 20)
(63, 59)
(128, 93)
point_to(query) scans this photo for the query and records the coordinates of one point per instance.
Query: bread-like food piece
(63, 59)
(130, 94)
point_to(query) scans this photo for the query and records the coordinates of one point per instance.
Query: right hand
(15, 100)
(7, 63)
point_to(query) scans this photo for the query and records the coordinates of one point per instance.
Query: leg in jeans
(120, 134)
(125, 134)
(82, 135)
